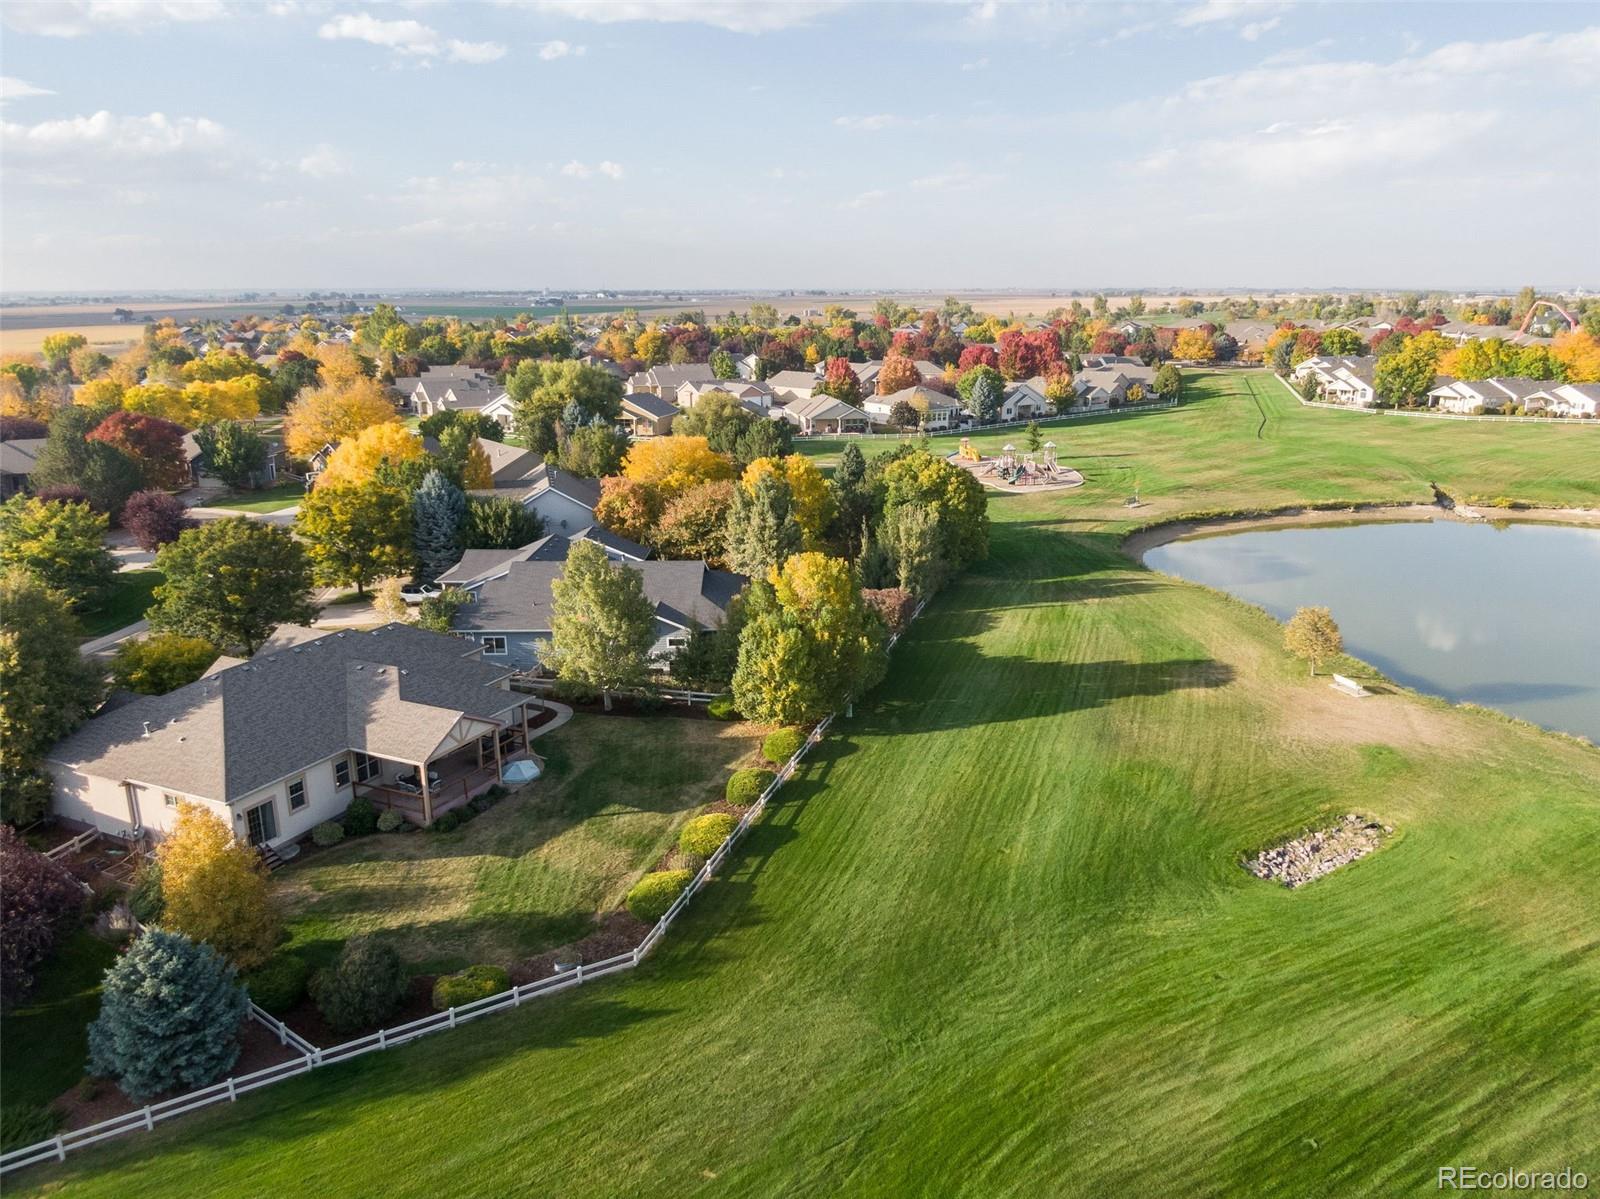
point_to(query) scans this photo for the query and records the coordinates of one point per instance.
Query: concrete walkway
(102, 645)
(563, 714)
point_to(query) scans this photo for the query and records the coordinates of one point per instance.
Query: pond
(1507, 617)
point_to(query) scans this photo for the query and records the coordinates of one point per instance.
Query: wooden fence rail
(312, 1057)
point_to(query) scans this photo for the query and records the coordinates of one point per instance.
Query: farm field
(108, 338)
(995, 940)
(531, 873)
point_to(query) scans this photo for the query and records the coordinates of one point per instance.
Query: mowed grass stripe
(995, 940)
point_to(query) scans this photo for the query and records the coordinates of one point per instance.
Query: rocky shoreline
(1298, 862)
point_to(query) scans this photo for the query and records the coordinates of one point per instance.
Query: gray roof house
(416, 721)
(665, 380)
(509, 616)
(17, 460)
(565, 502)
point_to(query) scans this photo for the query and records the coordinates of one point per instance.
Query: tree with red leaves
(155, 518)
(897, 373)
(977, 355)
(155, 445)
(40, 900)
(840, 381)
(1024, 355)
(1108, 341)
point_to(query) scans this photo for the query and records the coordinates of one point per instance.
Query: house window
(367, 768)
(494, 646)
(169, 799)
(297, 794)
(678, 641)
(341, 773)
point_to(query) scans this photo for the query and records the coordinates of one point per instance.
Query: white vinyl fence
(312, 1058)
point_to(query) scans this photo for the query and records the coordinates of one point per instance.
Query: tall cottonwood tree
(602, 624)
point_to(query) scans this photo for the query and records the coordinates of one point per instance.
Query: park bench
(1348, 686)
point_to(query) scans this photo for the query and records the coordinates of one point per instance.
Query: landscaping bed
(1305, 859)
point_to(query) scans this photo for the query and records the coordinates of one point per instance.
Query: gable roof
(824, 407)
(649, 405)
(21, 456)
(303, 698)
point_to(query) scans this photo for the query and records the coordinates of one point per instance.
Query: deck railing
(311, 1057)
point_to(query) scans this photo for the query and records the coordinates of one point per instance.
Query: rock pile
(1297, 862)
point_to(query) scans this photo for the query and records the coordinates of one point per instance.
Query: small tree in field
(1312, 635)
(362, 988)
(214, 888)
(170, 1011)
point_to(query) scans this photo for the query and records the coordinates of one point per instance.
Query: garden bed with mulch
(83, 1105)
(616, 932)
(309, 1023)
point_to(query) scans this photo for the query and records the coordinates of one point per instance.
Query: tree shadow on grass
(1014, 688)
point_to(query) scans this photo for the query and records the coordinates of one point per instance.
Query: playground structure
(1011, 471)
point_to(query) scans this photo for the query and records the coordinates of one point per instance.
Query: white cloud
(1255, 29)
(1213, 12)
(873, 122)
(582, 170)
(551, 51)
(324, 162)
(956, 179)
(20, 89)
(104, 134)
(976, 64)
(409, 38)
(736, 16)
(75, 18)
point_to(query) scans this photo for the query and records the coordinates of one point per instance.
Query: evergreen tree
(170, 1011)
(362, 988)
(762, 530)
(438, 512)
(104, 474)
(499, 523)
(912, 536)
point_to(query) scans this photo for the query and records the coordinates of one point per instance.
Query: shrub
(360, 818)
(703, 834)
(722, 708)
(280, 984)
(653, 894)
(170, 1011)
(329, 832)
(475, 982)
(745, 786)
(782, 745)
(40, 899)
(448, 823)
(390, 822)
(23, 1124)
(364, 986)
(144, 900)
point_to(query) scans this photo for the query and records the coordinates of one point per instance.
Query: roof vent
(147, 728)
(359, 666)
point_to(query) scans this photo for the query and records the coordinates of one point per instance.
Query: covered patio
(460, 766)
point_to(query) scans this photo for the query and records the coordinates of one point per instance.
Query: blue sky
(709, 143)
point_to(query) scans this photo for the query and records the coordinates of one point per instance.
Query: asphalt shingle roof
(394, 692)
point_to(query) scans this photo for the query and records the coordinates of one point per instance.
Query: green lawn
(995, 939)
(127, 602)
(532, 872)
(44, 1043)
(269, 499)
(1241, 441)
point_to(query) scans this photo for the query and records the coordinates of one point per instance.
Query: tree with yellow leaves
(214, 888)
(811, 499)
(650, 347)
(356, 459)
(99, 392)
(672, 465)
(1192, 345)
(1578, 352)
(329, 414)
(199, 403)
